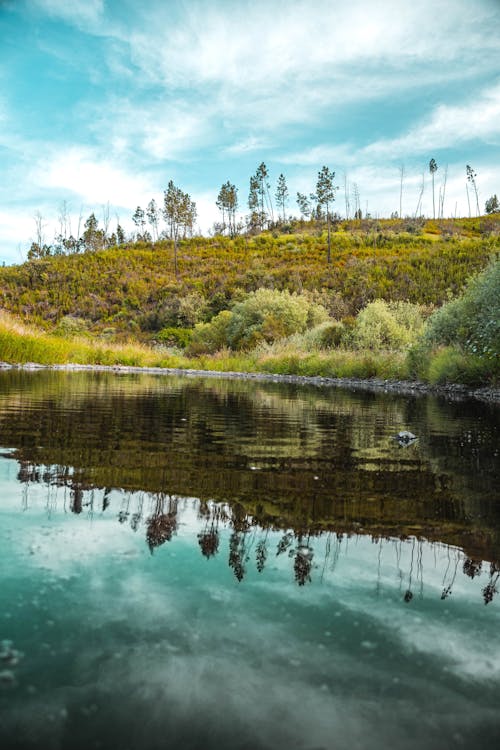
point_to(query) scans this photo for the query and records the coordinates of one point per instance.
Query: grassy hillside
(132, 289)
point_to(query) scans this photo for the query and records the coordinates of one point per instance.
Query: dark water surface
(206, 563)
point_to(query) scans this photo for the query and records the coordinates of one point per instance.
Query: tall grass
(21, 344)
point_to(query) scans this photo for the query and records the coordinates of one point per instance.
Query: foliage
(387, 325)
(71, 326)
(179, 337)
(268, 315)
(450, 365)
(208, 338)
(227, 203)
(135, 284)
(492, 205)
(471, 321)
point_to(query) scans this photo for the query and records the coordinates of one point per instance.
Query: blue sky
(105, 101)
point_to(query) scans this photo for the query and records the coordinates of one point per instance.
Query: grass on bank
(20, 344)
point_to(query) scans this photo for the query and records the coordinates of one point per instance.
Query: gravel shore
(398, 387)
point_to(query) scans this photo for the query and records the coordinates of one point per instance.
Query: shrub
(174, 337)
(449, 365)
(268, 315)
(71, 326)
(387, 325)
(471, 321)
(207, 338)
(327, 335)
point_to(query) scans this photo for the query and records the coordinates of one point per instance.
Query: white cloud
(237, 47)
(93, 179)
(85, 14)
(478, 118)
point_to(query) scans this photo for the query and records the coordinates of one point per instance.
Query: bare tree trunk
(329, 251)
(468, 197)
(105, 221)
(444, 190)
(402, 174)
(39, 227)
(346, 194)
(419, 203)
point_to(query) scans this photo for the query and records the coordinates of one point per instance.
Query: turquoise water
(145, 616)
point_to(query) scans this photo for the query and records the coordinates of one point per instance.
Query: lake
(192, 562)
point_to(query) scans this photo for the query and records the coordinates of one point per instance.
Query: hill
(132, 290)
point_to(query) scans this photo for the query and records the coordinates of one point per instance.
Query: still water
(210, 563)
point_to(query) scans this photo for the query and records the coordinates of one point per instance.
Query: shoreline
(452, 391)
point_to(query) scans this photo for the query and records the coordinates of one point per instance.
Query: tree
(432, 169)
(401, 178)
(442, 193)
(92, 237)
(179, 212)
(420, 196)
(262, 175)
(492, 206)
(281, 195)
(259, 198)
(120, 234)
(471, 178)
(105, 222)
(255, 220)
(325, 194)
(304, 205)
(139, 219)
(153, 217)
(227, 203)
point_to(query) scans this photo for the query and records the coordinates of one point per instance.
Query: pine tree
(325, 195)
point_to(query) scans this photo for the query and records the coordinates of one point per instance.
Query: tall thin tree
(471, 177)
(433, 169)
(179, 212)
(325, 194)
(401, 178)
(282, 195)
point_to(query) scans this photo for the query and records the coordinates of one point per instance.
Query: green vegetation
(391, 303)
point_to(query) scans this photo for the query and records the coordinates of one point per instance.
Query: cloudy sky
(107, 100)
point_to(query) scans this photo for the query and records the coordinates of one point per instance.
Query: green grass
(20, 344)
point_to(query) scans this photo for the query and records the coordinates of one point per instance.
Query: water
(204, 563)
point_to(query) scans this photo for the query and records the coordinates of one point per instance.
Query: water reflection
(216, 564)
(158, 517)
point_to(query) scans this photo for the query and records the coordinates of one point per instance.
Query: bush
(268, 315)
(387, 325)
(472, 321)
(207, 338)
(449, 365)
(71, 326)
(327, 335)
(179, 337)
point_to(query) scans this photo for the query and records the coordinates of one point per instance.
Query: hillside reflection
(157, 517)
(307, 461)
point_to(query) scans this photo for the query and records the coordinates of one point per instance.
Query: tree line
(179, 212)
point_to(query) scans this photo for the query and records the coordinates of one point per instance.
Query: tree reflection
(163, 523)
(248, 533)
(208, 538)
(302, 563)
(491, 587)
(472, 568)
(261, 554)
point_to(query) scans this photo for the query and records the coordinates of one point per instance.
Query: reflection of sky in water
(133, 650)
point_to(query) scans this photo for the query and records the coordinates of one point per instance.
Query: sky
(102, 102)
